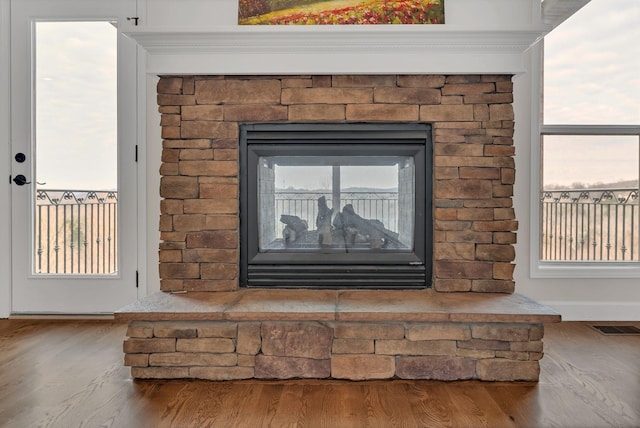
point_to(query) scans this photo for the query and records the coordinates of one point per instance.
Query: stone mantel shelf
(329, 49)
(339, 305)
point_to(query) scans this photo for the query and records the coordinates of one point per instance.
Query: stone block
(170, 120)
(187, 144)
(505, 238)
(502, 332)
(463, 270)
(421, 347)
(177, 329)
(327, 96)
(361, 367)
(382, 112)
(175, 100)
(534, 346)
(258, 113)
(450, 113)
(480, 173)
(296, 339)
(488, 98)
(468, 89)
(469, 236)
(225, 154)
(142, 329)
(171, 206)
(507, 175)
(169, 85)
(317, 112)
(454, 251)
(202, 112)
(504, 214)
(196, 154)
(217, 329)
(476, 214)
(496, 226)
(218, 191)
(169, 109)
(495, 252)
(177, 187)
(503, 271)
(513, 355)
(406, 95)
(446, 214)
(188, 359)
(507, 370)
(362, 81)
(463, 189)
(492, 286)
(160, 372)
(208, 129)
(477, 354)
(188, 222)
(136, 360)
(246, 360)
(368, 331)
(170, 256)
(501, 112)
(438, 331)
(221, 222)
(296, 83)
(259, 91)
(458, 149)
(464, 78)
(165, 223)
(200, 255)
(148, 346)
(221, 373)
(420, 81)
(445, 173)
(179, 270)
(218, 271)
(249, 339)
(499, 150)
(537, 332)
(436, 368)
(214, 345)
(481, 344)
(209, 168)
(352, 346)
(218, 239)
(272, 367)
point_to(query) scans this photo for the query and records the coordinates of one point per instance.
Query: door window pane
(75, 148)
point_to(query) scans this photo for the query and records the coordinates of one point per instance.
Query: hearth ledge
(339, 305)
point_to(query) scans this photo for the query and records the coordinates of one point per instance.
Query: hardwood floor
(70, 374)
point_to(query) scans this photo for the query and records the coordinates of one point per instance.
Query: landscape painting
(340, 12)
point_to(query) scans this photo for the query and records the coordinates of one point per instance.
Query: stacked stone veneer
(472, 117)
(220, 350)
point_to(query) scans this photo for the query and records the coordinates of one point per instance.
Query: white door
(73, 107)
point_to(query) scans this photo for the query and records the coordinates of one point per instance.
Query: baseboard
(596, 311)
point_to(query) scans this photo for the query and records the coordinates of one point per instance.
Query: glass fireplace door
(335, 205)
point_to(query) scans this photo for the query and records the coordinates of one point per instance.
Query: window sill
(578, 269)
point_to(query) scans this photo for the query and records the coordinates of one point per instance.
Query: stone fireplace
(471, 116)
(464, 321)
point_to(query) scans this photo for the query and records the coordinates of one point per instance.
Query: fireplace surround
(468, 326)
(322, 231)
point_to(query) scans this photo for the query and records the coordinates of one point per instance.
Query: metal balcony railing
(590, 225)
(76, 232)
(382, 206)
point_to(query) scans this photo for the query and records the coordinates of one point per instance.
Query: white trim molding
(335, 49)
(5, 155)
(595, 311)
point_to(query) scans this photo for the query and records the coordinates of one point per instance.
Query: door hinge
(137, 279)
(136, 153)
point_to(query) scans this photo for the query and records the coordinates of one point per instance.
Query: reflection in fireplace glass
(336, 203)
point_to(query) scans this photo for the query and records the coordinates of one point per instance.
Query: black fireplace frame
(295, 269)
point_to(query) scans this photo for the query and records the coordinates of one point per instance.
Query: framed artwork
(340, 12)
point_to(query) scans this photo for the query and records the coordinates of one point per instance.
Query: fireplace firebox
(335, 205)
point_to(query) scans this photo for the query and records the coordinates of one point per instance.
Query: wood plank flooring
(70, 374)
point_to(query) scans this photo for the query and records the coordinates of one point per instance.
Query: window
(589, 214)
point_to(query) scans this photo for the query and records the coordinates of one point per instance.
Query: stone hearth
(356, 335)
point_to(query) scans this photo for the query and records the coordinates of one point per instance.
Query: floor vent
(617, 329)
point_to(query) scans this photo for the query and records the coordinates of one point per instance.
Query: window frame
(565, 269)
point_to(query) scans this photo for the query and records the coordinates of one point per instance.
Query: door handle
(20, 180)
